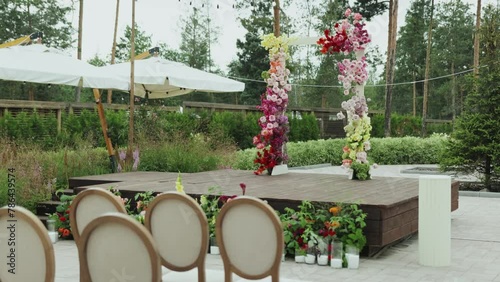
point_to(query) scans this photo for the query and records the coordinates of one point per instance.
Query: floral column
(272, 138)
(352, 38)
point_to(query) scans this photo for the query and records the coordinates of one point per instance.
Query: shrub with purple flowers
(125, 165)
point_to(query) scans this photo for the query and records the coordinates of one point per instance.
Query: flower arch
(350, 36)
(272, 138)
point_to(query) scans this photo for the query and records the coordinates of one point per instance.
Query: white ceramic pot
(214, 250)
(352, 261)
(322, 260)
(53, 235)
(300, 259)
(310, 259)
(336, 263)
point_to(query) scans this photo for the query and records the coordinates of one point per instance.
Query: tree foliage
(142, 43)
(23, 17)
(197, 36)
(253, 58)
(451, 53)
(475, 146)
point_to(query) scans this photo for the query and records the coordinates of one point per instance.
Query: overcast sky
(160, 19)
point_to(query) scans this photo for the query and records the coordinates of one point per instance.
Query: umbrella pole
(104, 126)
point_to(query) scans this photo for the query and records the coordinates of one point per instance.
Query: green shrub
(407, 150)
(39, 173)
(304, 129)
(193, 154)
(406, 125)
(238, 127)
(384, 151)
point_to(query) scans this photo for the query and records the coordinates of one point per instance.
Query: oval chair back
(250, 238)
(26, 251)
(180, 229)
(115, 247)
(89, 205)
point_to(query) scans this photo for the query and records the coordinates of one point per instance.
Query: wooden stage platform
(391, 203)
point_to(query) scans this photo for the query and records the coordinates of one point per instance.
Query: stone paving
(475, 252)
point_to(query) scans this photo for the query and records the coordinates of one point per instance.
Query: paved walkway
(475, 251)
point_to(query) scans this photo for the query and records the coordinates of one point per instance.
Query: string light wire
(368, 85)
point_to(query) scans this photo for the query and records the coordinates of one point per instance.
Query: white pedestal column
(434, 220)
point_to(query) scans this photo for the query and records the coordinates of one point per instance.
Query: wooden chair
(24, 237)
(90, 204)
(180, 229)
(250, 239)
(115, 247)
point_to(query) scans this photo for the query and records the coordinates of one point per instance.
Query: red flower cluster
(333, 44)
(348, 36)
(267, 159)
(298, 237)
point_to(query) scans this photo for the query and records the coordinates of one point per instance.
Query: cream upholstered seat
(90, 204)
(250, 239)
(115, 247)
(180, 229)
(26, 252)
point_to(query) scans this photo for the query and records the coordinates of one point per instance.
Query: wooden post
(476, 38)
(414, 95)
(277, 18)
(427, 71)
(79, 50)
(390, 65)
(113, 49)
(131, 110)
(104, 126)
(59, 120)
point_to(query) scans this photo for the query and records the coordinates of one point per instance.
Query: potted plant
(61, 216)
(352, 223)
(210, 206)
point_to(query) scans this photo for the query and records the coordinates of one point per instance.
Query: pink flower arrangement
(350, 36)
(352, 72)
(274, 122)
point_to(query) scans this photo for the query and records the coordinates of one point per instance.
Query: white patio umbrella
(160, 78)
(41, 64)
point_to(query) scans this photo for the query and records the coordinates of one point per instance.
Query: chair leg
(228, 276)
(201, 274)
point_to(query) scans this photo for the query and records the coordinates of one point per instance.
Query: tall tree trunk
(391, 62)
(276, 18)
(427, 69)
(79, 49)
(414, 95)
(132, 97)
(453, 92)
(113, 49)
(476, 38)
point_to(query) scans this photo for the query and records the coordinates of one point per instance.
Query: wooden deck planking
(391, 203)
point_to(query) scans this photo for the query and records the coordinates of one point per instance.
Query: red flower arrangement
(348, 36)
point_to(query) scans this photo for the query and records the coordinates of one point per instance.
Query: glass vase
(352, 257)
(337, 253)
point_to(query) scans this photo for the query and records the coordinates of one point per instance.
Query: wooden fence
(330, 126)
(57, 108)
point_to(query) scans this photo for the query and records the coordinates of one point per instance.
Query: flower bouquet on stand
(350, 36)
(271, 141)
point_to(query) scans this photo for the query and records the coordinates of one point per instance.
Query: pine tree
(475, 146)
